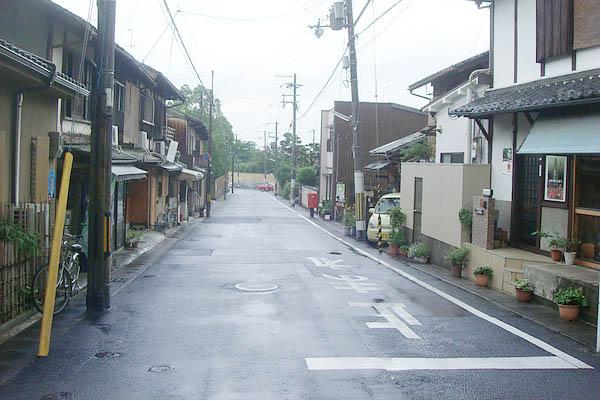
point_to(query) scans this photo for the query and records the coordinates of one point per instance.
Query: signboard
(507, 160)
(555, 178)
(340, 192)
(51, 184)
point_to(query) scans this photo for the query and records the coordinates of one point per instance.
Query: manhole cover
(160, 368)
(107, 354)
(255, 286)
(59, 395)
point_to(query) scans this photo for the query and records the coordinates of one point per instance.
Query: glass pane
(587, 182)
(385, 204)
(525, 219)
(588, 235)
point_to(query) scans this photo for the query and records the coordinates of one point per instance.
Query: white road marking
(385, 311)
(513, 330)
(351, 282)
(325, 262)
(391, 364)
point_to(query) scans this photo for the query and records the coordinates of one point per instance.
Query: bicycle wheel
(63, 289)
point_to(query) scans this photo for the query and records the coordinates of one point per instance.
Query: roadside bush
(285, 192)
(305, 175)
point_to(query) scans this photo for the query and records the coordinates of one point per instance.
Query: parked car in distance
(265, 187)
(385, 203)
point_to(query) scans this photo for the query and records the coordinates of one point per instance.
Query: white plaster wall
(528, 68)
(500, 183)
(503, 43)
(453, 137)
(558, 66)
(587, 59)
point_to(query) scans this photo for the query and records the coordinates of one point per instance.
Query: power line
(251, 19)
(181, 41)
(380, 16)
(158, 39)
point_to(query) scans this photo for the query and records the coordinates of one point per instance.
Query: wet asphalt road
(182, 314)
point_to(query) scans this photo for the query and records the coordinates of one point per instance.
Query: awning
(171, 167)
(563, 134)
(397, 145)
(191, 175)
(377, 165)
(126, 173)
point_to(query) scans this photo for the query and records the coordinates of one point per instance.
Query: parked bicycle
(166, 220)
(67, 283)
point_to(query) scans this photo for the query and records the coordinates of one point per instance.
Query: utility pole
(277, 161)
(341, 16)
(294, 103)
(233, 158)
(225, 170)
(265, 150)
(99, 240)
(210, 161)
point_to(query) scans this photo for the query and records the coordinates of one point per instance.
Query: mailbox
(312, 200)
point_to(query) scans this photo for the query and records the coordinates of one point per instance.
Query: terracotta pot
(587, 250)
(569, 312)
(523, 296)
(482, 280)
(556, 255)
(393, 249)
(456, 270)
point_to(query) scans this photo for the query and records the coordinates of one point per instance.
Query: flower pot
(587, 250)
(569, 312)
(523, 296)
(555, 255)
(402, 253)
(393, 249)
(421, 259)
(569, 257)
(456, 270)
(326, 217)
(482, 280)
(347, 231)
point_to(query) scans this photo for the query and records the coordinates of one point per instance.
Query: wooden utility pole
(99, 241)
(210, 161)
(293, 169)
(277, 160)
(233, 159)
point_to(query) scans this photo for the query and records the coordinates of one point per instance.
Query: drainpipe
(472, 95)
(17, 147)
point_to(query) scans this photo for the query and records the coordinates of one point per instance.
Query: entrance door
(417, 209)
(585, 213)
(526, 202)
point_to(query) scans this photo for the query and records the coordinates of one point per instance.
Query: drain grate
(119, 280)
(160, 368)
(59, 395)
(107, 354)
(256, 286)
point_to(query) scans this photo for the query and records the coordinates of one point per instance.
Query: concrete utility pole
(341, 16)
(99, 240)
(225, 171)
(294, 103)
(277, 161)
(233, 158)
(265, 150)
(210, 161)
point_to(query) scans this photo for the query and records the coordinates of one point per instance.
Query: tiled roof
(561, 91)
(477, 61)
(41, 65)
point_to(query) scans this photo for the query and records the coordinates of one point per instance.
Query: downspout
(474, 96)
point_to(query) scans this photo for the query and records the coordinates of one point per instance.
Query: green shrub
(523, 285)
(134, 235)
(27, 244)
(397, 238)
(458, 256)
(285, 192)
(348, 220)
(419, 250)
(305, 175)
(483, 271)
(570, 296)
(465, 217)
(397, 217)
(404, 249)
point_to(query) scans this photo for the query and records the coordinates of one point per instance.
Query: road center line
(513, 330)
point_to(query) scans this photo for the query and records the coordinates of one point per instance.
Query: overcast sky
(248, 43)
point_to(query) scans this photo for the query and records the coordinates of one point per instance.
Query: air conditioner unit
(56, 144)
(142, 139)
(172, 151)
(115, 135)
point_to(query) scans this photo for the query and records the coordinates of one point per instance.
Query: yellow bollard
(55, 251)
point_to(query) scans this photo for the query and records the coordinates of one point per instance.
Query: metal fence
(17, 270)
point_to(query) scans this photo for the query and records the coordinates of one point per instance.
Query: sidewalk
(539, 313)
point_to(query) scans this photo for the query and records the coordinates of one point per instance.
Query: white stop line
(560, 360)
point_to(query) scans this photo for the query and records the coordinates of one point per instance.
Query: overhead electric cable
(380, 16)
(250, 19)
(158, 38)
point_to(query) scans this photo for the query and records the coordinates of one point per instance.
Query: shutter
(586, 23)
(554, 28)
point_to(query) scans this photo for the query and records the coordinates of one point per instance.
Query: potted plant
(556, 243)
(132, 238)
(348, 220)
(483, 275)
(523, 290)
(458, 258)
(587, 248)
(404, 250)
(397, 238)
(569, 301)
(571, 247)
(419, 252)
(326, 209)
(466, 220)
(397, 218)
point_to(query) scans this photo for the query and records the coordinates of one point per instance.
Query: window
(456, 157)
(554, 28)
(87, 81)
(119, 101)
(147, 103)
(69, 69)
(586, 210)
(385, 204)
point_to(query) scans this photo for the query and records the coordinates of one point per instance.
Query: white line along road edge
(577, 363)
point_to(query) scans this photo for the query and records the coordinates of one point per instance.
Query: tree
(306, 175)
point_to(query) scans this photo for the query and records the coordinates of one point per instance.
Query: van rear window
(385, 204)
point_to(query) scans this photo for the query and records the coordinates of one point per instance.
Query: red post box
(312, 200)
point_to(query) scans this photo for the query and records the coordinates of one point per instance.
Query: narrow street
(338, 325)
